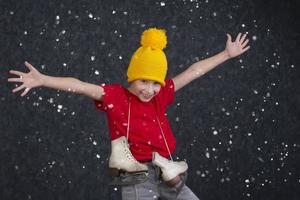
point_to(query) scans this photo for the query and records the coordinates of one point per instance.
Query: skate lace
(165, 140)
(128, 118)
(127, 151)
(161, 130)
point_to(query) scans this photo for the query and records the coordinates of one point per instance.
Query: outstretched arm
(197, 69)
(34, 79)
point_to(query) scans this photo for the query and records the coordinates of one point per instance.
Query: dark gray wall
(237, 127)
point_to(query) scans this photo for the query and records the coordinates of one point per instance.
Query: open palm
(237, 47)
(29, 80)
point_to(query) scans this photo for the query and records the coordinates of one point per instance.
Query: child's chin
(145, 100)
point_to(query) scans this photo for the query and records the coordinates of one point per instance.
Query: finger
(229, 37)
(243, 38)
(25, 91)
(238, 37)
(18, 88)
(245, 43)
(19, 80)
(246, 49)
(29, 66)
(16, 72)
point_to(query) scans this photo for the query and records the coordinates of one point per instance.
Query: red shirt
(145, 135)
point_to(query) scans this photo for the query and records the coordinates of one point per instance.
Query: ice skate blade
(117, 172)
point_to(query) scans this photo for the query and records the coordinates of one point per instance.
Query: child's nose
(149, 88)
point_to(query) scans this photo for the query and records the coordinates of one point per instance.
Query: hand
(237, 47)
(30, 80)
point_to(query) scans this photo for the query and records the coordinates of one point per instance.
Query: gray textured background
(237, 127)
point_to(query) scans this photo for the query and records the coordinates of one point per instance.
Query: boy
(136, 115)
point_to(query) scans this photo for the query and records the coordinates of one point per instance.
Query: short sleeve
(110, 93)
(167, 93)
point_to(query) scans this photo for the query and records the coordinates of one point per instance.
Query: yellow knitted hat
(149, 61)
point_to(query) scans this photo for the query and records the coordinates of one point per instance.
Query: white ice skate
(170, 169)
(121, 158)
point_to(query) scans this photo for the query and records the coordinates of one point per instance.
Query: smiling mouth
(147, 96)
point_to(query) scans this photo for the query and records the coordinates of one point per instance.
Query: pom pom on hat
(149, 61)
(154, 38)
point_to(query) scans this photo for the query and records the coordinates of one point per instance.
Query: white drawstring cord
(128, 119)
(161, 130)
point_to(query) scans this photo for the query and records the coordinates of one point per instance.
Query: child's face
(145, 90)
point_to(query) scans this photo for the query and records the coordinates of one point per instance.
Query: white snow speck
(207, 155)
